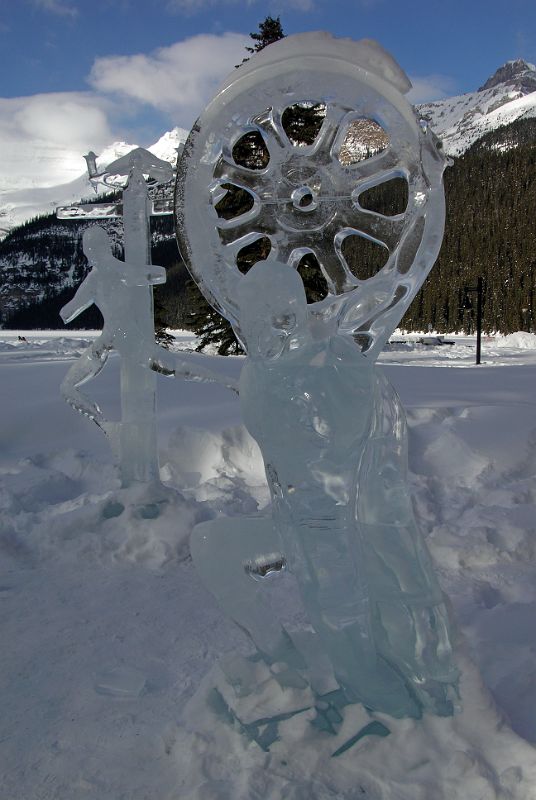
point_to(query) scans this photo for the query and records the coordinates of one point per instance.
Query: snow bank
(67, 506)
(114, 645)
(520, 340)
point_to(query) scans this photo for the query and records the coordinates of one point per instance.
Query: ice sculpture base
(241, 561)
(471, 754)
(255, 698)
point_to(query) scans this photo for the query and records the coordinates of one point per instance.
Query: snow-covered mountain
(506, 96)
(42, 181)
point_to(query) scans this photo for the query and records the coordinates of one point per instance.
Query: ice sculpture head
(96, 244)
(312, 198)
(273, 309)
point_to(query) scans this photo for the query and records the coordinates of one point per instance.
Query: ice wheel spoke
(263, 224)
(233, 228)
(275, 138)
(371, 167)
(329, 130)
(338, 277)
(370, 171)
(243, 253)
(387, 230)
(348, 214)
(226, 171)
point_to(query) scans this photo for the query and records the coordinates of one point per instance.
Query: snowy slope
(507, 96)
(114, 643)
(37, 182)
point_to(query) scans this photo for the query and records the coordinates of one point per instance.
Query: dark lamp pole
(468, 304)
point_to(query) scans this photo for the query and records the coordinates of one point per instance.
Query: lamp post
(467, 304)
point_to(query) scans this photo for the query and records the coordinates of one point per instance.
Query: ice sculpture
(122, 290)
(330, 427)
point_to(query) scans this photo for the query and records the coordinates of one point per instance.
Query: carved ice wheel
(309, 198)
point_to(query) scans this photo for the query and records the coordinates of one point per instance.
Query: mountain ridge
(520, 73)
(43, 258)
(509, 94)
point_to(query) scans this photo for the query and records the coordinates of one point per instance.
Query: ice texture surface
(330, 427)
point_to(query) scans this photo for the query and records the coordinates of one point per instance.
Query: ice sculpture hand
(189, 367)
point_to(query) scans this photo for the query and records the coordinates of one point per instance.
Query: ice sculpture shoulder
(330, 427)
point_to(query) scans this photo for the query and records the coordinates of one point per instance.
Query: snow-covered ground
(110, 643)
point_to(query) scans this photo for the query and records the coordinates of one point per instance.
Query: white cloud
(43, 137)
(65, 117)
(300, 5)
(430, 87)
(179, 79)
(57, 7)
(47, 134)
(192, 6)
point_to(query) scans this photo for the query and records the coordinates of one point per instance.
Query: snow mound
(520, 340)
(470, 756)
(110, 631)
(68, 506)
(224, 468)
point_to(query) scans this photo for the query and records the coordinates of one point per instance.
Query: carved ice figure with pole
(122, 290)
(330, 427)
(106, 286)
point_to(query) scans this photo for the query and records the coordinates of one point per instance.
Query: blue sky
(91, 71)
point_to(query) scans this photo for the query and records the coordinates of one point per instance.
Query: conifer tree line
(489, 232)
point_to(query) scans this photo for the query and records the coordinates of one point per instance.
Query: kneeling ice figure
(332, 434)
(329, 425)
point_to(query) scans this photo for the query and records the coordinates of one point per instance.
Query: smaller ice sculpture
(330, 427)
(122, 290)
(106, 286)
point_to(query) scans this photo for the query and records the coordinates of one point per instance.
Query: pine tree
(270, 31)
(250, 151)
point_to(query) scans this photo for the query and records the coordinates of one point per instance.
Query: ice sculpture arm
(97, 248)
(183, 365)
(83, 298)
(148, 275)
(416, 254)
